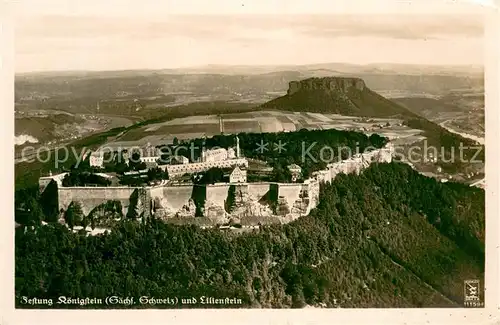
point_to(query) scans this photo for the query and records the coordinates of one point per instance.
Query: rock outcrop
(215, 212)
(336, 95)
(164, 211)
(329, 83)
(188, 210)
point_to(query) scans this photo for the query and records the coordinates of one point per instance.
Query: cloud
(251, 27)
(409, 27)
(55, 42)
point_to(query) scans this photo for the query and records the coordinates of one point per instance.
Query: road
(465, 135)
(482, 182)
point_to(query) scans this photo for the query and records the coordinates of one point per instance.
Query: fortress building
(220, 154)
(179, 170)
(296, 171)
(238, 154)
(221, 125)
(96, 159)
(149, 154)
(45, 180)
(251, 203)
(178, 160)
(214, 155)
(212, 158)
(238, 175)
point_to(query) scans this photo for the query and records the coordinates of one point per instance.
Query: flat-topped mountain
(340, 95)
(350, 96)
(327, 84)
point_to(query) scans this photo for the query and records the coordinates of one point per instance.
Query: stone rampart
(258, 191)
(176, 197)
(217, 194)
(290, 192)
(44, 181)
(90, 197)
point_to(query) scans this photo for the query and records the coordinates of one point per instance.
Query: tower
(237, 147)
(203, 149)
(221, 125)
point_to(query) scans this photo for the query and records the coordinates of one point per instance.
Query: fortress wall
(313, 192)
(217, 194)
(241, 192)
(156, 192)
(43, 183)
(290, 192)
(350, 166)
(257, 191)
(331, 174)
(358, 164)
(306, 189)
(90, 197)
(370, 156)
(385, 155)
(177, 196)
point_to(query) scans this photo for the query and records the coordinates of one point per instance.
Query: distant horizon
(270, 66)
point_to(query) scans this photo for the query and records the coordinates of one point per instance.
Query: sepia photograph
(248, 161)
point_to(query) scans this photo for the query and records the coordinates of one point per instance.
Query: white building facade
(96, 159)
(238, 175)
(214, 155)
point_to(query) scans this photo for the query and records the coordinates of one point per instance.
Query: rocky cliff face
(333, 95)
(164, 211)
(328, 84)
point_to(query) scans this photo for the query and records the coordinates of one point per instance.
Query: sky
(109, 36)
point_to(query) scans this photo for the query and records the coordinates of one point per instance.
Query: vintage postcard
(235, 161)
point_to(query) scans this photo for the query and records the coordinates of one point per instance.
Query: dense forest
(389, 237)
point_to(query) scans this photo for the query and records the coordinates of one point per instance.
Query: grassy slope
(43, 127)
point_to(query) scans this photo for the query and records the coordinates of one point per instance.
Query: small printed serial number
(473, 304)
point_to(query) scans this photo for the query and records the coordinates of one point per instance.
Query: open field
(258, 122)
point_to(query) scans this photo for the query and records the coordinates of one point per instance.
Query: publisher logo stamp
(472, 294)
